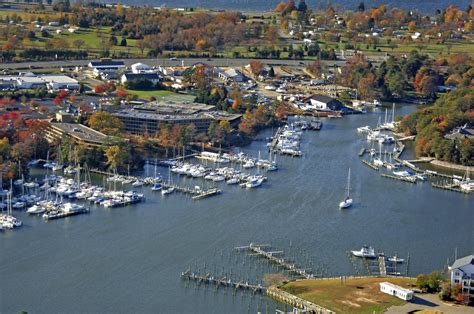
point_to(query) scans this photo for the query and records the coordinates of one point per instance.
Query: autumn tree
(105, 122)
(256, 67)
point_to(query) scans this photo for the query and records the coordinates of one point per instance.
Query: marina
(166, 234)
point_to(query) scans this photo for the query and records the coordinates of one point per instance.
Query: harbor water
(129, 259)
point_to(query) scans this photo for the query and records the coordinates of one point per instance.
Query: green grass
(358, 295)
(164, 95)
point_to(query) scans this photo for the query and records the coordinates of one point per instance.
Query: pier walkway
(296, 302)
(224, 281)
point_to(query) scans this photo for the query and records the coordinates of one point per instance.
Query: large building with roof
(148, 118)
(76, 133)
(462, 273)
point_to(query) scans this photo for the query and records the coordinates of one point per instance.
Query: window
(456, 281)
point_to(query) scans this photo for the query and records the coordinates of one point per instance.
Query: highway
(222, 62)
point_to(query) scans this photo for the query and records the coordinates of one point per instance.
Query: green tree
(105, 122)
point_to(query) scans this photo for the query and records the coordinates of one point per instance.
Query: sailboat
(347, 202)
(169, 189)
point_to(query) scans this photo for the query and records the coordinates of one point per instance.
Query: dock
(370, 165)
(382, 266)
(66, 214)
(409, 179)
(291, 267)
(296, 302)
(222, 281)
(449, 187)
(274, 141)
(196, 194)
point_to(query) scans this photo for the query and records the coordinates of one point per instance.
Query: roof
(140, 65)
(94, 64)
(463, 261)
(146, 76)
(321, 98)
(391, 285)
(80, 131)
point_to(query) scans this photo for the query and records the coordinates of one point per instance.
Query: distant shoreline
(451, 166)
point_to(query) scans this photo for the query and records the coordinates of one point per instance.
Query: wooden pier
(296, 302)
(223, 281)
(207, 193)
(370, 165)
(291, 267)
(382, 266)
(449, 187)
(196, 194)
(409, 179)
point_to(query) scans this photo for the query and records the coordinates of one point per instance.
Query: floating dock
(449, 187)
(370, 165)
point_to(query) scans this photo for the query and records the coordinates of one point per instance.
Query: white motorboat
(138, 183)
(365, 251)
(347, 202)
(35, 209)
(395, 259)
(253, 182)
(233, 180)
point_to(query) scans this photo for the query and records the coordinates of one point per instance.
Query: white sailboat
(347, 202)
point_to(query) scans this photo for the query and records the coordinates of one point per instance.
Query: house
(463, 132)
(462, 272)
(396, 291)
(140, 68)
(152, 77)
(324, 103)
(105, 67)
(232, 75)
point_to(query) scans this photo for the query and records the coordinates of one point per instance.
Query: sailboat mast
(348, 182)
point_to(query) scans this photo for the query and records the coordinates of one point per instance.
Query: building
(462, 272)
(58, 82)
(76, 133)
(32, 81)
(106, 67)
(148, 118)
(324, 103)
(152, 77)
(140, 68)
(464, 132)
(396, 291)
(232, 75)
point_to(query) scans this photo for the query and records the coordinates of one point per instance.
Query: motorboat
(233, 180)
(156, 187)
(167, 191)
(138, 183)
(365, 251)
(395, 259)
(253, 182)
(35, 209)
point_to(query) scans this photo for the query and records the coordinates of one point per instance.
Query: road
(222, 62)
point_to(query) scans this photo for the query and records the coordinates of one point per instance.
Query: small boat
(156, 187)
(395, 259)
(347, 202)
(365, 251)
(253, 182)
(35, 209)
(138, 183)
(167, 191)
(233, 180)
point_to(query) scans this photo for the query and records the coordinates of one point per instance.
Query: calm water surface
(129, 259)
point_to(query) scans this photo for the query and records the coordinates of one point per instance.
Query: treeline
(431, 124)
(37, 54)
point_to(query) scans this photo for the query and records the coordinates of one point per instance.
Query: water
(426, 6)
(129, 259)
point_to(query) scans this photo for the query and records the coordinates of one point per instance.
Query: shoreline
(451, 166)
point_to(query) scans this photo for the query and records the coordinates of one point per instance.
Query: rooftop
(463, 261)
(80, 131)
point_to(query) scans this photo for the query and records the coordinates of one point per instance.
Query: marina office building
(147, 118)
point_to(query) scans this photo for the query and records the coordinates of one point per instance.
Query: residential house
(152, 77)
(323, 103)
(462, 272)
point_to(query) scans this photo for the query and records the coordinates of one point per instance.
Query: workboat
(365, 251)
(347, 202)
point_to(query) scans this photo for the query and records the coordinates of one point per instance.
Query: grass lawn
(358, 295)
(161, 95)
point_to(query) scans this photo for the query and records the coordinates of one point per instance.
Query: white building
(32, 81)
(462, 272)
(58, 82)
(396, 291)
(152, 77)
(140, 68)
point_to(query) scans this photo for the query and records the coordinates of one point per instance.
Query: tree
(256, 67)
(141, 44)
(366, 86)
(113, 41)
(78, 43)
(302, 7)
(315, 68)
(116, 156)
(105, 122)
(411, 26)
(361, 7)
(123, 42)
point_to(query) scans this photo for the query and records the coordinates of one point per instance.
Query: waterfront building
(147, 118)
(323, 103)
(396, 291)
(462, 272)
(76, 133)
